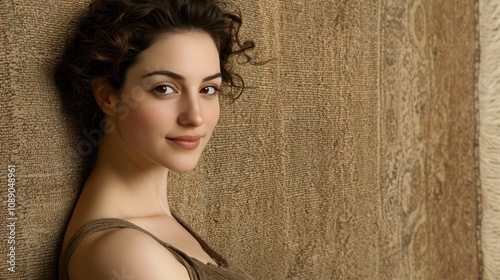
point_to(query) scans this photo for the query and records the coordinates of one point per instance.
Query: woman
(146, 75)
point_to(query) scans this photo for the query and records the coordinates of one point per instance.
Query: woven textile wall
(352, 156)
(489, 142)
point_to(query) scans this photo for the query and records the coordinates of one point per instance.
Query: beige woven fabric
(489, 98)
(353, 155)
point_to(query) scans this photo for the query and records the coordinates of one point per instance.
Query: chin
(177, 161)
(181, 166)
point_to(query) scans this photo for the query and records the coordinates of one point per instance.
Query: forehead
(184, 53)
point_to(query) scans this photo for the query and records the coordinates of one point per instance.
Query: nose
(191, 113)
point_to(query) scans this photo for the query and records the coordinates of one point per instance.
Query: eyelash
(216, 90)
(162, 92)
(164, 87)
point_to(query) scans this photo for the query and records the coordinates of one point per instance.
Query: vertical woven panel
(489, 97)
(350, 156)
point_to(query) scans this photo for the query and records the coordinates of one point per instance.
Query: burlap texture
(353, 155)
(489, 141)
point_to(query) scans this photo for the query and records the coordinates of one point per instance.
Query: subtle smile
(186, 142)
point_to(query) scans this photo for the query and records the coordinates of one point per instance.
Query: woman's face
(169, 101)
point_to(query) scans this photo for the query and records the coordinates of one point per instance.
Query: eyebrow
(180, 77)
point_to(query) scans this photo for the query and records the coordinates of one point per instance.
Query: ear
(105, 96)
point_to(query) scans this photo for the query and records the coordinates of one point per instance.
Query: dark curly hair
(113, 33)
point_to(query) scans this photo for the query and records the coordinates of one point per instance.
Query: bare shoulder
(124, 254)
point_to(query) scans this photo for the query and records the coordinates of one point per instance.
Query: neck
(137, 186)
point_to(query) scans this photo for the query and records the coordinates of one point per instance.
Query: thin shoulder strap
(114, 223)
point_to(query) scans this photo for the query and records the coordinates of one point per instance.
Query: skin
(129, 180)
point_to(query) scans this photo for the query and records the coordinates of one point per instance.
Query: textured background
(353, 156)
(489, 97)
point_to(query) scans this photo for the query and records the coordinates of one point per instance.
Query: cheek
(148, 119)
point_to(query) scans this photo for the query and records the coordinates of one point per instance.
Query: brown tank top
(196, 269)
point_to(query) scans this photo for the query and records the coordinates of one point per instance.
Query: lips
(186, 142)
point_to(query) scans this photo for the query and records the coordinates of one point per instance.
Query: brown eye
(164, 90)
(209, 90)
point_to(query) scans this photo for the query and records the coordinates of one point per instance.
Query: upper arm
(124, 254)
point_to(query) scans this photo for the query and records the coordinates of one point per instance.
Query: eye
(209, 90)
(164, 90)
